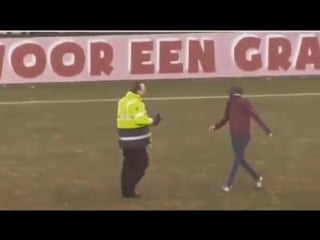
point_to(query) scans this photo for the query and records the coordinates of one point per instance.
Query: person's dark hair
(235, 90)
(136, 87)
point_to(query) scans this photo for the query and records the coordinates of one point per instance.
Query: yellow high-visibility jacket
(133, 122)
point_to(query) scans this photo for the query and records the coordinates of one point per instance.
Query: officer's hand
(270, 134)
(157, 119)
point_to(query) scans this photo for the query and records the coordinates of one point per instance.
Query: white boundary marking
(155, 98)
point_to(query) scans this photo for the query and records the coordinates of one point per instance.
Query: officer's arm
(140, 116)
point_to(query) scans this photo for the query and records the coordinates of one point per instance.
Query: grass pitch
(65, 155)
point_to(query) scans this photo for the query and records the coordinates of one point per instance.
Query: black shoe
(131, 195)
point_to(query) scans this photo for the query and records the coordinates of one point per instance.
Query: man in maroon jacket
(238, 112)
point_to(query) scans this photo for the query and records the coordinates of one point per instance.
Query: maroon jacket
(238, 111)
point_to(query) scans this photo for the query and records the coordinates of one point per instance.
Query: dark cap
(235, 90)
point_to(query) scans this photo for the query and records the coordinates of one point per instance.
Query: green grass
(65, 156)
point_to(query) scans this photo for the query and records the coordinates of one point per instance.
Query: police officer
(133, 124)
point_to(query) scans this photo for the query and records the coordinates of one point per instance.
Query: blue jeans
(239, 145)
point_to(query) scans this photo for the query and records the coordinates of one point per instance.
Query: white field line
(154, 98)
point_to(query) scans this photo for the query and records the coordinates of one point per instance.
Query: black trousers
(135, 163)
